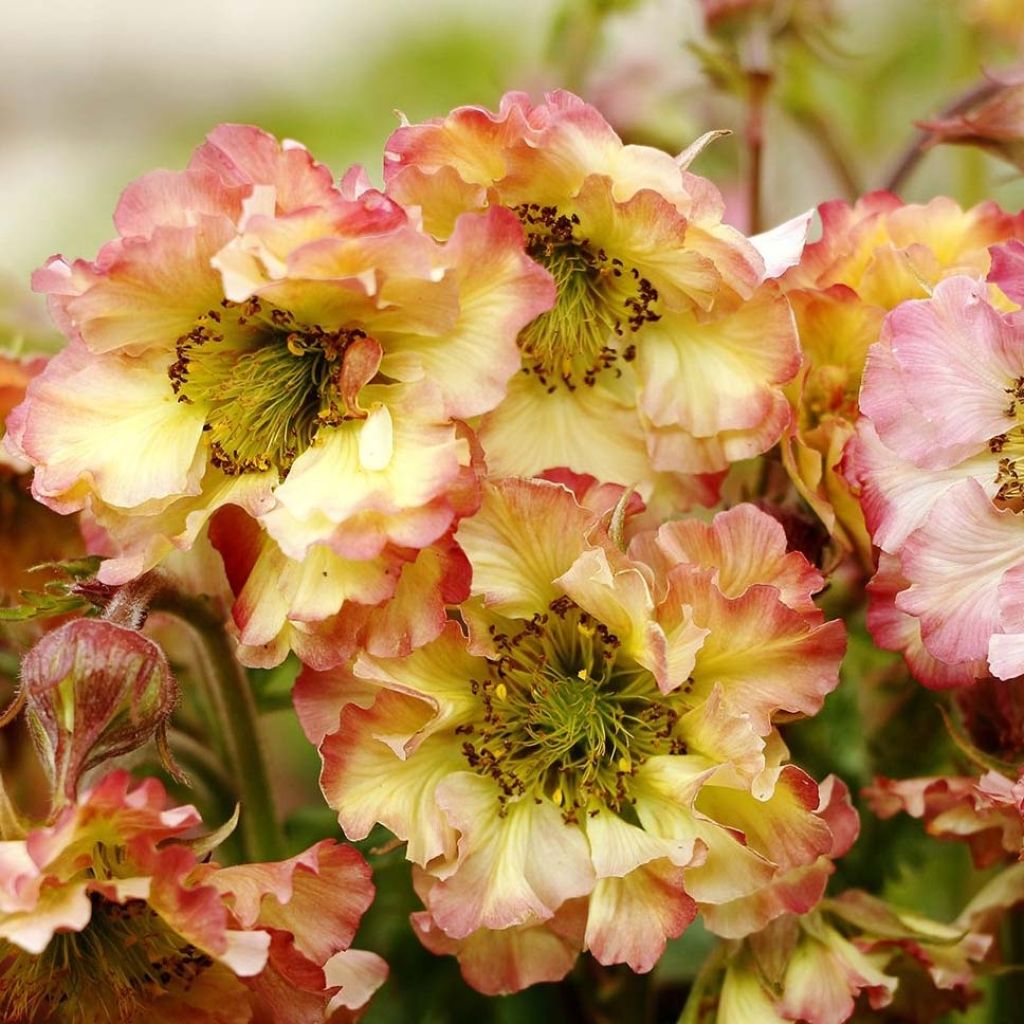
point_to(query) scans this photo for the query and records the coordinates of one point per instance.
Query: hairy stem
(236, 722)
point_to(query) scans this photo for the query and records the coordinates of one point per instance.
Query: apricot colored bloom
(665, 341)
(259, 336)
(107, 915)
(871, 257)
(852, 951)
(936, 459)
(600, 732)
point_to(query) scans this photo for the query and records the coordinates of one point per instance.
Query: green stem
(236, 722)
(703, 985)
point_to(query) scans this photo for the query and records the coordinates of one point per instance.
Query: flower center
(564, 714)
(599, 303)
(1010, 447)
(125, 958)
(267, 384)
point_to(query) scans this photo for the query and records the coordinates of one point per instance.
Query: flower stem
(758, 84)
(915, 150)
(235, 718)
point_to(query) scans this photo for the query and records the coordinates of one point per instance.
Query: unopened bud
(93, 690)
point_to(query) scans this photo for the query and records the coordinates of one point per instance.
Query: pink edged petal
(784, 826)
(357, 974)
(895, 630)
(897, 495)
(151, 290)
(746, 547)
(934, 386)
(58, 907)
(793, 892)
(111, 426)
(390, 478)
(511, 868)
(242, 155)
(439, 674)
(175, 199)
(510, 959)
(630, 919)
(500, 290)
(319, 696)
(823, 979)
(748, 352)
(366, 780)
(1008, 269)
(674, 449)
(318, 896)
(616, 592)
(956, 563)
(526, 534)
(765, 656)
(291, 989)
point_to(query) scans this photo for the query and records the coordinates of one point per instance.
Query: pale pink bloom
(872, 255)
(601, 731)
(110, 913)
(936, 460)
(261, 337)
(667, 340)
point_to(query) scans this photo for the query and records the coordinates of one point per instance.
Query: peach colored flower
(108, 914)
(603, 732)
(851, 950)
(666, 340)
(260, 337)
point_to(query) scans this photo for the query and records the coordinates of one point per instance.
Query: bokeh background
(95, 92)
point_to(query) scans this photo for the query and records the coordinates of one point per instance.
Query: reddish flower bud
(93, 690)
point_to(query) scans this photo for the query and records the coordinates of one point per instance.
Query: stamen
(564, 714)
(598, 301)
(266, 384)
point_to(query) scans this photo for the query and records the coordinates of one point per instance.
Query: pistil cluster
(267, 383)
(565, 715)
(599, 299)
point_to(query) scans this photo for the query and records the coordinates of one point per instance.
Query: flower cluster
(109, 914)
(441, 444)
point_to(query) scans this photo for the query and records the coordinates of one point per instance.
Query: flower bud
(93, 690)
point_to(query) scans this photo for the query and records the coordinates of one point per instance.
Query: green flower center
(600, 302)
(123, 960)
(266, 383)
(564, 714)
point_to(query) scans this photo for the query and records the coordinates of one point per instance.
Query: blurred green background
(95, 93)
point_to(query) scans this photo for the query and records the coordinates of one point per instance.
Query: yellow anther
(501, 691)
(625, 765)
(582, 674)
(295, 346)
(557, 797)
(585, 630)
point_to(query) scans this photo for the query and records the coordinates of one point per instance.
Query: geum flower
(258, 336)
(936, 461)
(108, 915)
(854, 951)
(871, 256)
(665, 340)
(594, 756)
